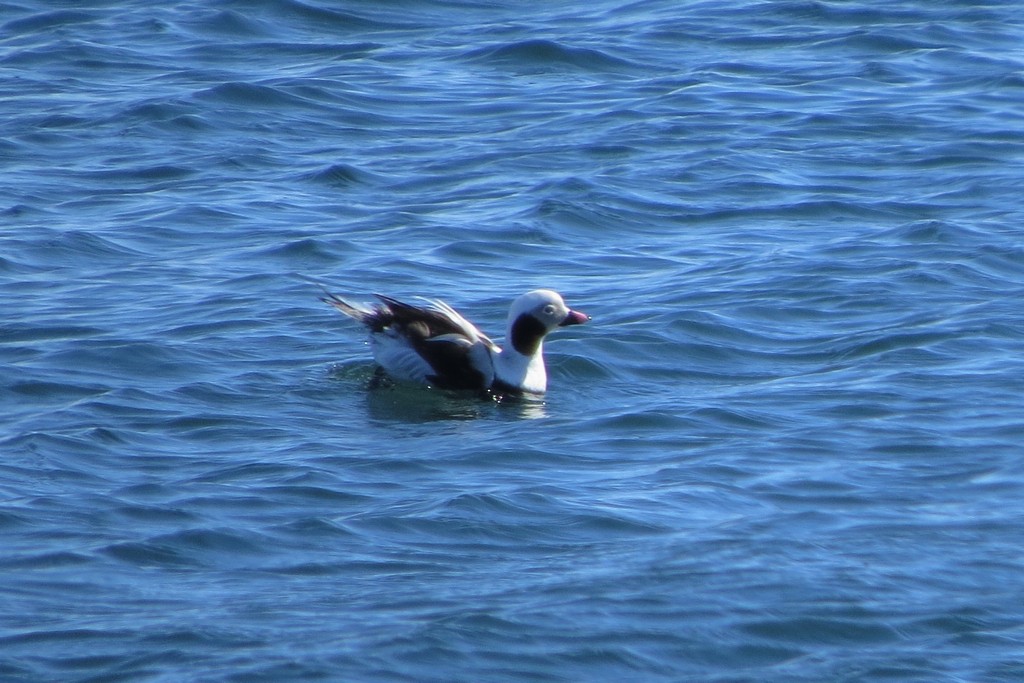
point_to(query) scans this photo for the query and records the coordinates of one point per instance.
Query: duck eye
(549, 309)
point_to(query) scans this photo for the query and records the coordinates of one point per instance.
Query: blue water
(787, 448)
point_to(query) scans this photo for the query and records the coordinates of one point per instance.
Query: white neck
(523, 372)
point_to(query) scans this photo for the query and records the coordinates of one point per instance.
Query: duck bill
(574, 318)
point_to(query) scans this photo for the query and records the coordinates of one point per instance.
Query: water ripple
(787, 445)
(550, 55)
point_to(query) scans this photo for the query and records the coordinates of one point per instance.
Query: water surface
(786, 448)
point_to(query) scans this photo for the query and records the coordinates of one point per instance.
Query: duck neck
(522, 372)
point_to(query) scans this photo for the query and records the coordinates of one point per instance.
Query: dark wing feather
(450, 359)
(443, 338)
(420, 322)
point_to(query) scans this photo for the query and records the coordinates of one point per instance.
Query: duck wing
(458, 353)
(433, 320)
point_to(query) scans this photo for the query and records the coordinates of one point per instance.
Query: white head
(536, 313)
(530, 318)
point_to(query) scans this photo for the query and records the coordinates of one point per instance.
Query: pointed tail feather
(345, 307)
(376, 318)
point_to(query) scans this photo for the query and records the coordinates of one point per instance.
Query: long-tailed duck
(431, 344)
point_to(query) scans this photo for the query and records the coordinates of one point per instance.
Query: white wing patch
(401, 361)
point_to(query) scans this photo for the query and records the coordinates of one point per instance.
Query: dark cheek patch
(527, 334)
